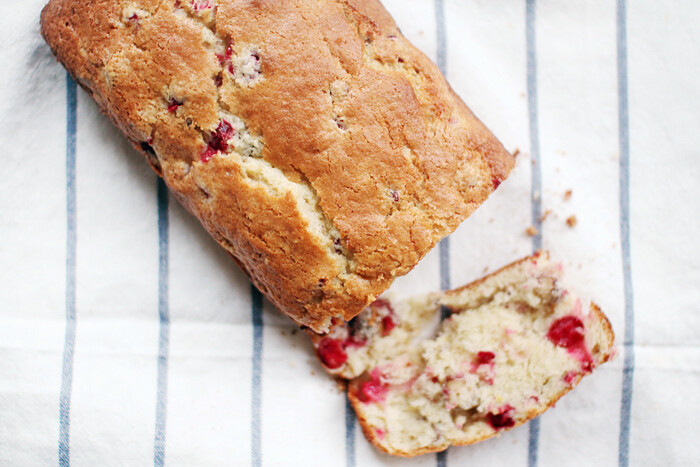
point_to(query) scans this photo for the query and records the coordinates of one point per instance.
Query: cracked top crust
(312, 140)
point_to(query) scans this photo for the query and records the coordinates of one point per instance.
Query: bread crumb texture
(512, 345)
(532, 231)
(312, 140)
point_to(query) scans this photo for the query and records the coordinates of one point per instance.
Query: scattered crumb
(545, 215)
(531, 231)
(572, 221)
(486, 269)
(614, 245)
(522, 94)
(283, 333)
(567, 195)
(516, 153)
(536, 196)
(294, 331)
(313, 373)
(491, 220)
(534, 162)
(293, 364)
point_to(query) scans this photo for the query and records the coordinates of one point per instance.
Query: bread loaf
(513, 344)
(320, 148)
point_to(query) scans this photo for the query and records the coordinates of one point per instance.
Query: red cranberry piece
(496, 183)
(201, 5)
(388, 325)
(569, 332)
(483, 365)
(483, 358)
(395, 196)
(225, 58)
(581, 354)
(566, 332)
(219, 140)
(134, 17)
(570, 377)
(332, 353)
(173, 104)
(501, 419)
(372, 390)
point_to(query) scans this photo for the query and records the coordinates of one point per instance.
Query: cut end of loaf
(512, 345)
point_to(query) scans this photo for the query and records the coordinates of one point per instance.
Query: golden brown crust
(544, 254)
(363, 156)
(607, 330)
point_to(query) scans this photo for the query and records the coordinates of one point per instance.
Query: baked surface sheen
(314, 142)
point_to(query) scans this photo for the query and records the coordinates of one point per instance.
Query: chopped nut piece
(572, 221)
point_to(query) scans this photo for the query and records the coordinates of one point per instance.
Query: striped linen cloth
(128, 338)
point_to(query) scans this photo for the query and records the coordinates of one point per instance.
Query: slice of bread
(514, 343)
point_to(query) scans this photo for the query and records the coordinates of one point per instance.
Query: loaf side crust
(321, 149)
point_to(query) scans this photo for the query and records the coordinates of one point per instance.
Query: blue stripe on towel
(441, 29)
(349, 434)
(71, 243)
(624, 140)
(164, 318)
(257, 362)
(536, 174)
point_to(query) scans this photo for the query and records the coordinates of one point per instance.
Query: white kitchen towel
(127, 337)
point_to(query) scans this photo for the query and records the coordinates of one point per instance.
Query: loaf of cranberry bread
(512, 345)
(320, 148)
